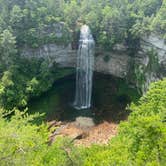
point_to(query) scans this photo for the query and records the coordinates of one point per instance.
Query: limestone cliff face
(114, 63)
(158, 44)
(150, 61)
(148, 65)
(63, 55)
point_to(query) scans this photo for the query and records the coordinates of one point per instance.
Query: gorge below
(109, 100)
(109, 94)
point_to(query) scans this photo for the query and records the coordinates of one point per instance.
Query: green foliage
(27, 79)
(139, 76)
(125, 91)
(106, 58)
(151, 67)
(24, 143)
(159, 22)
(153, 64)
(111, 31)
(32, 22)
(140, 141)
(153, 103)
(18, 138)
(11, 94)
(7, 49)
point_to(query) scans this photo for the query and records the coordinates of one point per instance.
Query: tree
(159, 22)
(7, 48)
(25, 143)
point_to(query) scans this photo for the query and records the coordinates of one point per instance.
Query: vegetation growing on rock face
(159, 23)
(143, 72)
(7, 49)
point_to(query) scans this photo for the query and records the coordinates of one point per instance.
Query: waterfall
(84, 69)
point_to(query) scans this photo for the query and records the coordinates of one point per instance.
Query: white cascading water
(84, 69)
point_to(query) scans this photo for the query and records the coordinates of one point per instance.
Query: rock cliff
(149, 64)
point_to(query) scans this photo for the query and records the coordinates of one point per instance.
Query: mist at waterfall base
(84, 69)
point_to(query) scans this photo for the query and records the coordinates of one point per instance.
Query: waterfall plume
(84, 69)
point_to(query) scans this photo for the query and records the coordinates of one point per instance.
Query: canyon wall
(147, 65)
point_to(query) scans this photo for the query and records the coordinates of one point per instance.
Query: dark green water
(110, 97)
